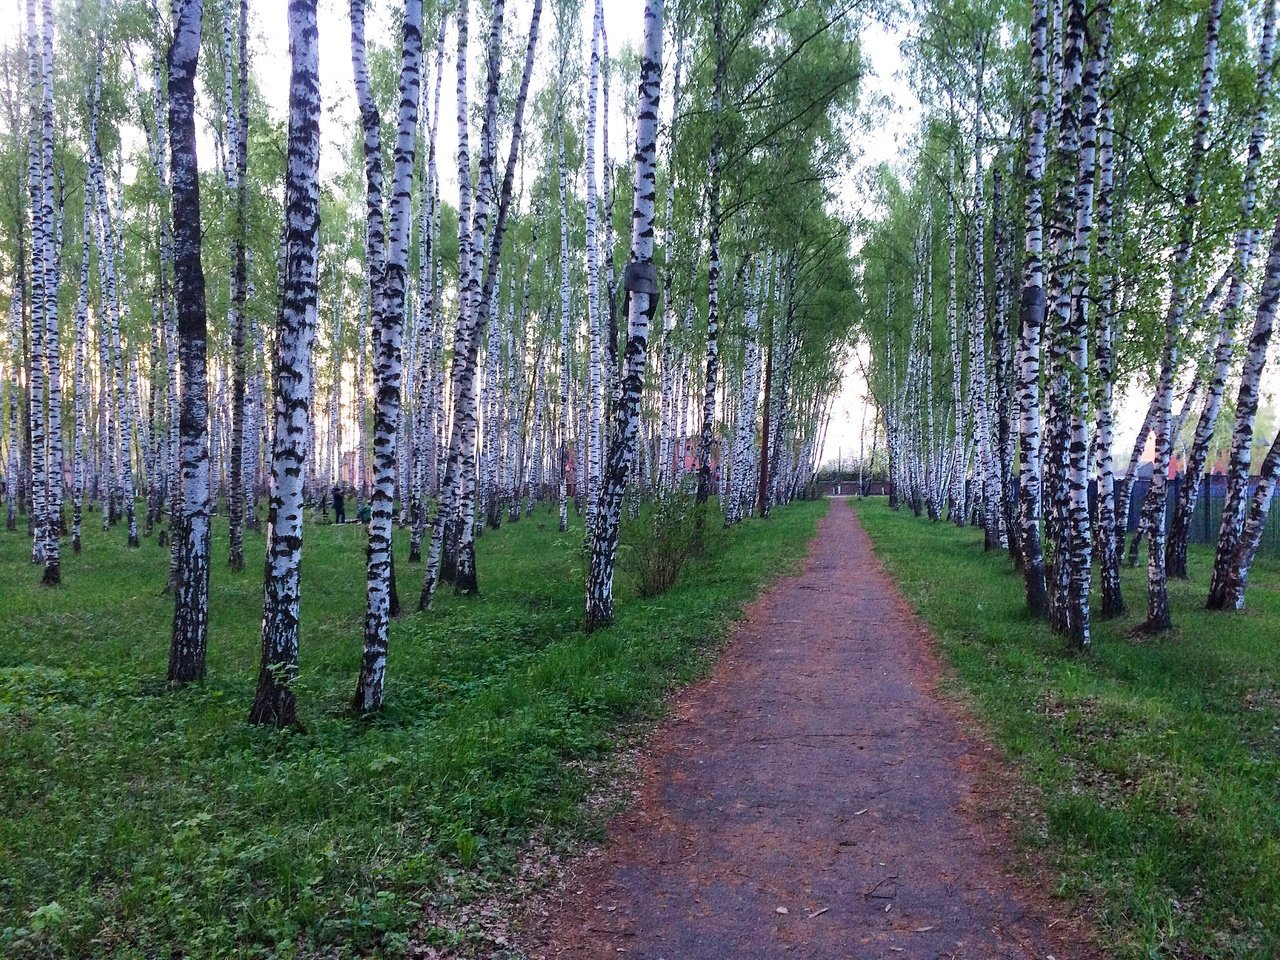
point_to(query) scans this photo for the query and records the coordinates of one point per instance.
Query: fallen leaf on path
(923, 929)
(782, 910)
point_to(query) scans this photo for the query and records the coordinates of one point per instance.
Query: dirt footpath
(815, 798)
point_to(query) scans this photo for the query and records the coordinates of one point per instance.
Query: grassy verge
(1155, 762)
(140, 822)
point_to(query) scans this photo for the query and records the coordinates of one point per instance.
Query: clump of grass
(136, 821)
(1154, 764)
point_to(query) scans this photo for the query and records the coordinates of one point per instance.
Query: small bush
(656, 547)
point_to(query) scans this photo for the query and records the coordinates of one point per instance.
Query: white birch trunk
(274, 702)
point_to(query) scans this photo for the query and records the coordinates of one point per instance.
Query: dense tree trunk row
(1077, 342)
(187, 395)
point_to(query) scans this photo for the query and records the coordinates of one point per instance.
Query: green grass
(1154, 763)
(136, 821)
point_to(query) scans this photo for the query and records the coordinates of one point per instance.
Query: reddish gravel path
(814, 798)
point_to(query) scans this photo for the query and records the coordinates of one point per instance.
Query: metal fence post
(1206, 496)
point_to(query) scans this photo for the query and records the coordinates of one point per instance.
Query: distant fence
(1205, 520)
(1208, 513)
(849, 488)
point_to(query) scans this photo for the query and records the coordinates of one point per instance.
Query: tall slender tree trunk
(959, 459)
(80, 382)
(12, 461)
(987, 462)
(707, 433)
(1031, 322)
(1059, 305)
(1158, 617)
(274, 702)
(238, 182)
(565, 371)
(38, 516)
(595, 322)
(1079, 541)
(642, 291)
(1001, 369)
(112, 347)
(442, 554)
(612, 375)
(429, 317)
(1108, 538)
(762, 480)
(478, 294)
(191, 608)
(52, 258)
(1228, 313)
(387, 339)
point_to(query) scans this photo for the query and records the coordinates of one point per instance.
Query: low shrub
(670, 533)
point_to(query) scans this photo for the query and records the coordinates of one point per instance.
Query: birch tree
(1158, 616)
(275, 703)
(238, 184)
(713, 257)
(191, 596)
(1031, 320)
(387, 340)
(641, 284)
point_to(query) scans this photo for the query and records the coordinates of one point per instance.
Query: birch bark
(191, 595)
(641, 286)
(275, 703)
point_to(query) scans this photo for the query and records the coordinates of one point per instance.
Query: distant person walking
(339, 507)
